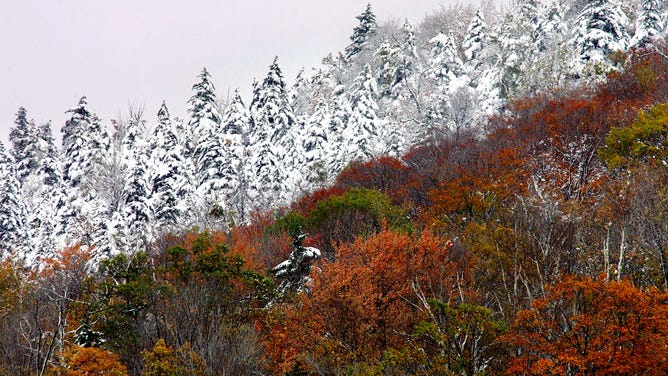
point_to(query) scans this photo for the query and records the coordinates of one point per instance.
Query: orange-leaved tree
(89, 361)
(592, 327)
(369, 300)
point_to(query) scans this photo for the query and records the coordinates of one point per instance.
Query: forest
(484, 199)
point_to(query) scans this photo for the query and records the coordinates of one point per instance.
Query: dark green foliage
(362, 32)
(341, 218)
(374, 205)
(119, 301)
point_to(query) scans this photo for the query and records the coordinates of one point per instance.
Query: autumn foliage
(592, 327)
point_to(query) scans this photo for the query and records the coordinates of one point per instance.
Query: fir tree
(49, 169)
(409, 62)
(168, 180)
(649, 24)
(600, 30)
(445, 65)
(272, 136)
(476, 38)
(362, 32)
(338, 133)
(85, 143)
(83, 214)
(236, 120)
(294, 272)
(517, 46)
(24, 149)
(387, 74)
(12, 212)
(272, 108)
(204, 115)
(134, 211)
(364, 122)
(40, 192)
(211, 180)
(316, 146)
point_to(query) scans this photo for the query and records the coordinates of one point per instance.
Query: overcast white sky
(139, 52)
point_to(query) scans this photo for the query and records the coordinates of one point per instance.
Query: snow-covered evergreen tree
(316, 147)
(204, 118)
(364, 123)
(132, 135)
(49, 166)
(85, 143)
(131, 221)
(387, 73)
(649, 24)
(266, 176)
(236, 120)
(12, 213)
(294, 272)
(82, 214)
(362, 32)
(517, 46)
(272, 111)
(24, 149)
(339, 134)
(41, 194)
(445, 64)
(299, 95)
(600, 30)
(399, 62)
(409, 59)
(211, 179)
(168, 179)
(475, 40)
(273, 150)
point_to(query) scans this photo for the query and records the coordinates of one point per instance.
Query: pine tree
(387, 55)
(409, 61)
(551, 27)
(316, 146)
(447, 75)
(266, 177)
(398, 63)
(204, 115)
(516, 42)
(168, 177)
(135, 207)
(294, 272)
(12, 212)
(338, 133)
(50, 169)
(300, 95)
(272, 109)
(445, 65)
(40, 193)
(272, 136)
(85, 143)
(600, 29)
(649, 24)
(24, 145)
(476, 39)
(132, 136)
(211, 181)
(364, 122)
(83, 215)
(362, 32)
(236, 120)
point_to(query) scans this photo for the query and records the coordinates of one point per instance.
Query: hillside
(479, 197)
